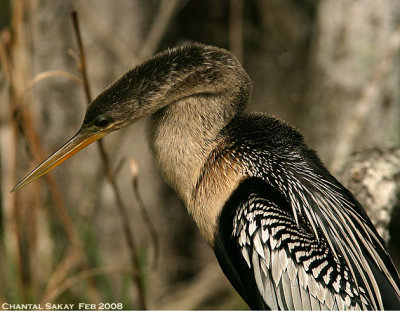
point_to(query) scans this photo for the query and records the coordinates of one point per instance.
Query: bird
(285, 232)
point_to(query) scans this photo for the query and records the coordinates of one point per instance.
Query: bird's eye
(101, 121)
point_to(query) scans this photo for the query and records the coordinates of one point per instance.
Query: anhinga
(286, 233)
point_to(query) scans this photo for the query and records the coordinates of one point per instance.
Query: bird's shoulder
(260, 129)
(265, 142)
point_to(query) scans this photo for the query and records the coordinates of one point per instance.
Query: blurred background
(330, 67)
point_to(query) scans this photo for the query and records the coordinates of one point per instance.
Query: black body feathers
(292, 231)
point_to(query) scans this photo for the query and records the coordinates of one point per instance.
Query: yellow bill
(75, 144)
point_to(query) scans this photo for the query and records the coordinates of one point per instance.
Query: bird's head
(113, 109)
(117, 106)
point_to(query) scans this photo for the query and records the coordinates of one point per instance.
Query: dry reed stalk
(60, 274)
(157, 30)
(15, 57)
(8, 180)
(21, 120)
(49, 74)
(134, 169)
(128, 232)
(81, 276)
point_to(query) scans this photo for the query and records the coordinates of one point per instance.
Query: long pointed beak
(75, 144)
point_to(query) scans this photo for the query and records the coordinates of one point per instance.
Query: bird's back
(291, 236)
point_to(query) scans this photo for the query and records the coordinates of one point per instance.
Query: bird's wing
(288, 267)
(290, 175)
(334, 214)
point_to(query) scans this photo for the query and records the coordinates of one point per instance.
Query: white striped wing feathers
(291, 268)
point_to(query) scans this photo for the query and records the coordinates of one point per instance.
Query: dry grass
(68, 273)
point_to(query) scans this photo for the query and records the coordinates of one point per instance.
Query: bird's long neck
(182, 136)
(203, 93)
(192, 93)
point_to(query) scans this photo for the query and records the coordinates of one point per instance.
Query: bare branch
(153, 233)
(137, 277)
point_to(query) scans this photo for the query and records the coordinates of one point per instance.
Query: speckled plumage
(313, 224)
(287, 234)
